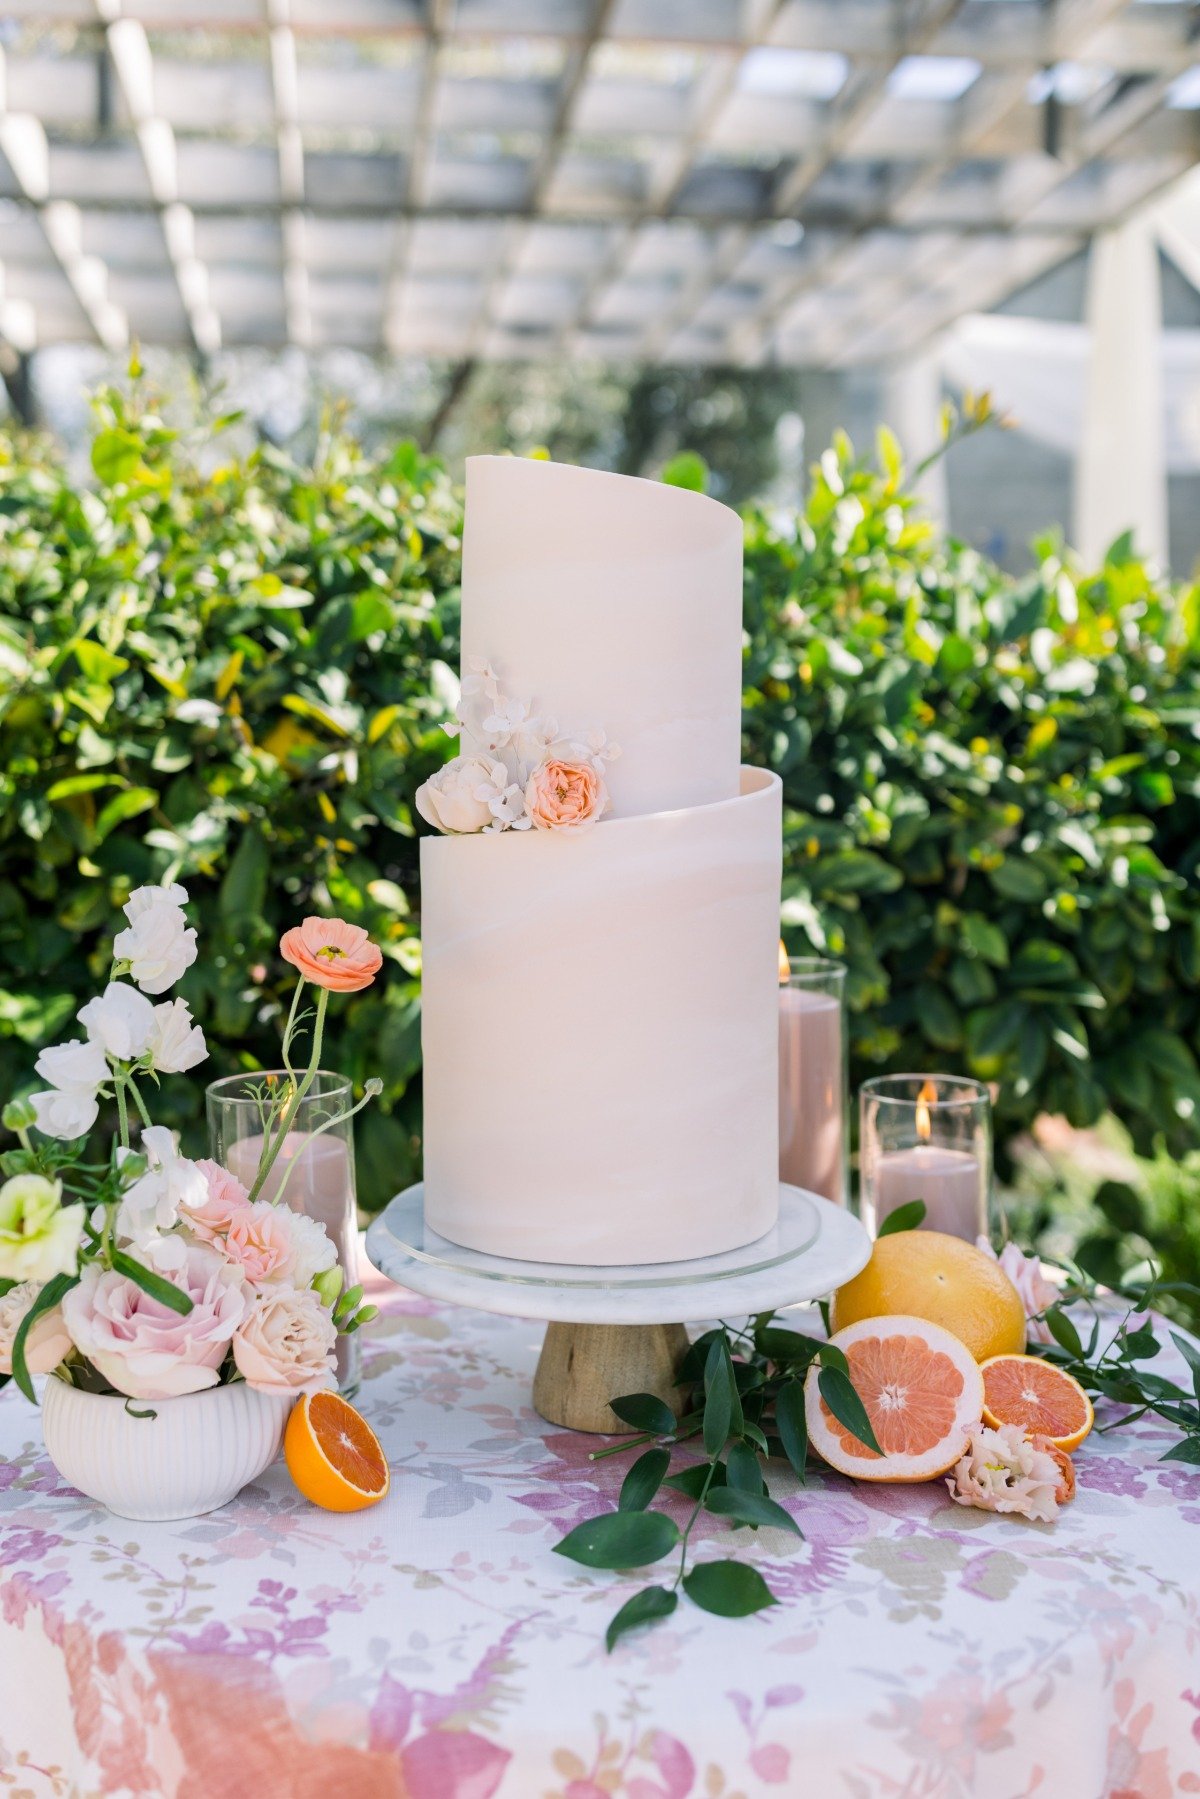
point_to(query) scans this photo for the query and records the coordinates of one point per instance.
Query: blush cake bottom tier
(600, 1034)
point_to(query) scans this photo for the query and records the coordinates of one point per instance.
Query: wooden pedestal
(583, 1366)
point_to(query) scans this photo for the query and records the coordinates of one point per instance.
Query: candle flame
(785, 972)
(925, 1098)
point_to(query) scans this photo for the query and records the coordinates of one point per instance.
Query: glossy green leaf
(645, 1411)
(750, 1508)
(902, 1218)
(839, 1393)
(728, 1588)
(650, 1606)
(791, 1421)
(643, 1480)
(620, 1540)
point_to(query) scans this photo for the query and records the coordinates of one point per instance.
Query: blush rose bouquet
(148, 1274)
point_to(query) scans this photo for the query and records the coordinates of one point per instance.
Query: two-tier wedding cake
(600, 917)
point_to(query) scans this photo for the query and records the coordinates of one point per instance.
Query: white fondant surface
(812, 1249)
(615, 604)
(600, 1034)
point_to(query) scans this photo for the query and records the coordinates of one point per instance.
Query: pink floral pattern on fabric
(434, 1648)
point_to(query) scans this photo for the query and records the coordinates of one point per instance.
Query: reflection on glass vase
(314, 1170)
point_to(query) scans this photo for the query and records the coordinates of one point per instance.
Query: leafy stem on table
(745, 1403)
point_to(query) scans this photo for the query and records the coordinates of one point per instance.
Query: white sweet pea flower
(176, 1044)
(120, 1020)
(75, 1064)
(67, 1112)
(151, 1206)
(159, 944)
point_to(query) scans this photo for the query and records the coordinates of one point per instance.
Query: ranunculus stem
(271, 1151)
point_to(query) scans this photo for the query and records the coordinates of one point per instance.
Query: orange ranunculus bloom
(332, 953)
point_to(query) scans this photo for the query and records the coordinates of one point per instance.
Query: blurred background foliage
(231, 668)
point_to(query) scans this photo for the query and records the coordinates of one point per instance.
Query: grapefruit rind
(944, 1397)
(1035, 1422)
(927, 1274)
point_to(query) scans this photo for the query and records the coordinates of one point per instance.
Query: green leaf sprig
(745, 1403)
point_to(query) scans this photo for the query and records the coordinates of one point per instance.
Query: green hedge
(233, 672)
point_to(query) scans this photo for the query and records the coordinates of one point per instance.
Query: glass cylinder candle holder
(313, 1172)
(812, 1075)
(926, 1137)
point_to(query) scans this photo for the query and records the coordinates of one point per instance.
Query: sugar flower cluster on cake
(527, 774)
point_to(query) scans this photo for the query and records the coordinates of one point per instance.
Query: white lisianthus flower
(151, 1206)
(120, 1020)
(456, 798)
(66, 1112)
(39, 1236)
(176, 1044)
(159, 944)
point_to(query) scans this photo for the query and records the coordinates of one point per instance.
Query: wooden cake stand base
(620, 1330)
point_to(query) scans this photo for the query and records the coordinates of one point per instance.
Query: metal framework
(722, 181)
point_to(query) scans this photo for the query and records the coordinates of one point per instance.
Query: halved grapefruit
(1046, 1401)
(922, 1390)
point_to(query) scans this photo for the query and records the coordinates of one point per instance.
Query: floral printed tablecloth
(434, 1648)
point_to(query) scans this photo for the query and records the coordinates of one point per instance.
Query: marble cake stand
(605, 1327)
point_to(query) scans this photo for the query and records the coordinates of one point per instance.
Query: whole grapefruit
(925, 1274)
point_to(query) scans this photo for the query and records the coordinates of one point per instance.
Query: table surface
(434, 1648)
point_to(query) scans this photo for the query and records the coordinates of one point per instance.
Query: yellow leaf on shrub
(286, 739)
(328, 809)
(229, 674)
(383, 720)
(1041, 736)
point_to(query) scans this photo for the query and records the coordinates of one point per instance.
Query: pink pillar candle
(948, 1180)
(320, 1184)
(811, 1125)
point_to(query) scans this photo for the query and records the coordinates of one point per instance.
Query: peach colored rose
(227, 1200)
(259, 1242)
(331, 953)
(565, 796)
(47, 1342)
(285, 1343)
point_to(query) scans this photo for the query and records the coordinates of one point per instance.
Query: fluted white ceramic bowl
(192, 1456)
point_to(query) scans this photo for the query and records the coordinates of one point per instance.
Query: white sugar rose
(39, 1236)
(285, 1343)
(120, 1020)
(176, 1044)
(47, 1342)
(457, 798)
(158, 944)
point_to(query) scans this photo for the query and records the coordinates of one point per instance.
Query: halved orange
(922, 1390)
(1045, 1400)
(333, 1455)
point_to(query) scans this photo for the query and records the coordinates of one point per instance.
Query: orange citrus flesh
(926, 1274)
(921, 1389)
(333, 1455)
(1045, 1400)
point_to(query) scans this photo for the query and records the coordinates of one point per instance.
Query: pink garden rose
(47, 1342)
(143, 1348)
(285, 1343)
(260, 1243)
(227, 1200)
(1037, 1293)
(565, 796)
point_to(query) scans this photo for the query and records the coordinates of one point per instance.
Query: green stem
(598, 1455)
(291, 1026)
(327, 1125)
(687, 1529)
(288, 1119)
(139, 1102)
(122, 1110)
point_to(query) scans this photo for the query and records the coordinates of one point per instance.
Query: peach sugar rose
(564, 796)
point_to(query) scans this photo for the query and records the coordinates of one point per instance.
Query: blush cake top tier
(614, 602)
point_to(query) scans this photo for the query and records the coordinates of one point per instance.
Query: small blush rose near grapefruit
(333, 1455)
(925, 1274)
(921, 1389)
